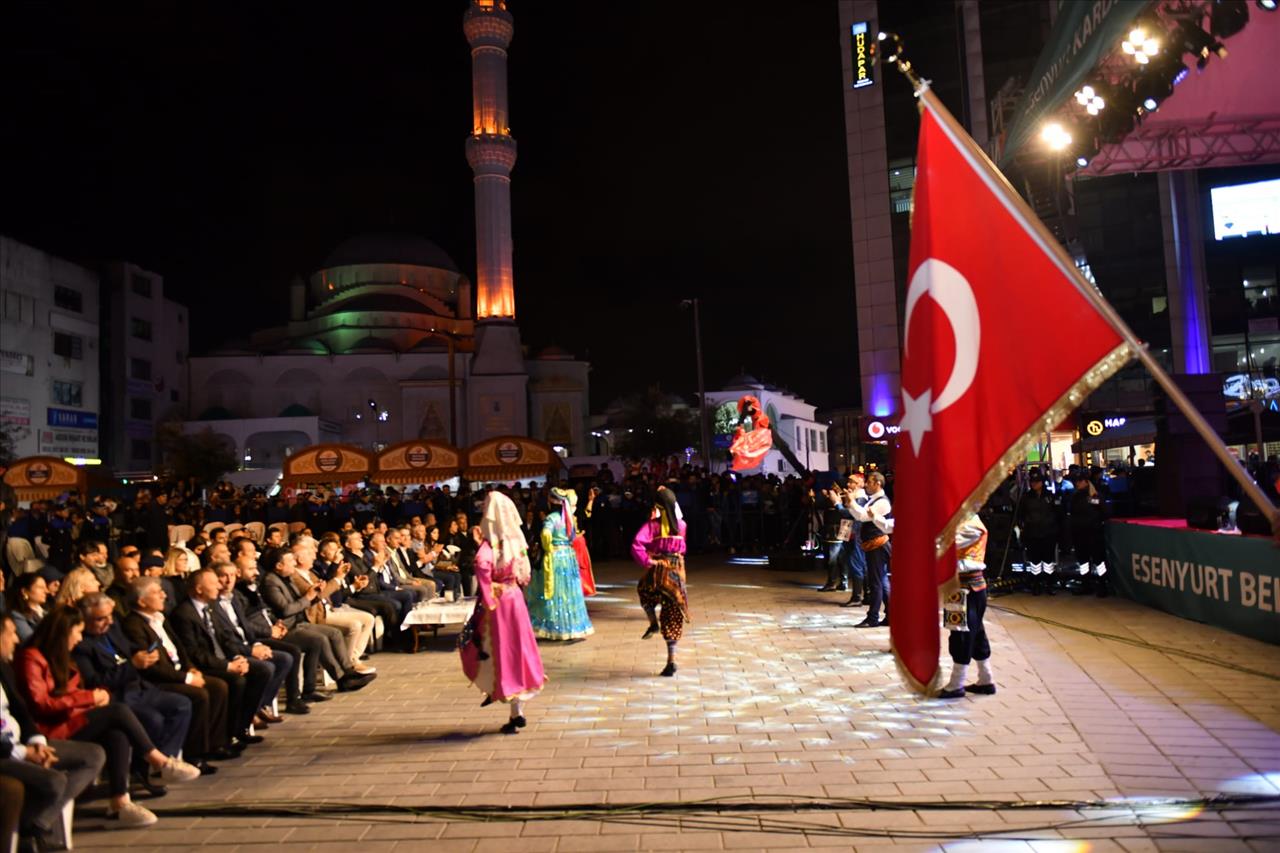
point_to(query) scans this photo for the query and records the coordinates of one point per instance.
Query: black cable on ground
(1141, 644)
(734, 815)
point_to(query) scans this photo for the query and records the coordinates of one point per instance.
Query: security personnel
(1088, 520)
(1037, 516)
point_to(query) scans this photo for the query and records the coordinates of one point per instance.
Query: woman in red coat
(62, 708)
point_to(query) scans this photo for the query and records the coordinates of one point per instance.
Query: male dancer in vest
(876, 515)
(969, 641)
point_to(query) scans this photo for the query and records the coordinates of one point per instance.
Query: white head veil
(500, 527)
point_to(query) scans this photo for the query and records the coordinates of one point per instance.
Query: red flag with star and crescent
(1000, 342)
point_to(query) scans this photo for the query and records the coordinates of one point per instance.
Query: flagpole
(1050, 245)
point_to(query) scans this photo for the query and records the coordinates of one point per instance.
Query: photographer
(837, 533)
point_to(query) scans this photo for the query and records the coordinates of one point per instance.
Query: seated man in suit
(356, 625)
(208, 738)
(246, 640)
(106, 658)
(402, 600)
(332, 564)
(291, 605)
(127, 568)
(207, 646)
(395, 574)
(310, 645)
(52, 773)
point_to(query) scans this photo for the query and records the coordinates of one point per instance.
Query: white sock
(517, 708)
(984, 672)
(958, 671)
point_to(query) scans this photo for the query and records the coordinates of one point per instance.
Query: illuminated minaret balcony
(491, 152)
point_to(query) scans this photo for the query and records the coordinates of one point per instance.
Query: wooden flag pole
(1019, 209)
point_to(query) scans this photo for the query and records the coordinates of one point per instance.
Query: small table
(435, 614)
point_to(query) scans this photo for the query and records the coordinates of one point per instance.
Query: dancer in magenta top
(659, 546)
(499, 652)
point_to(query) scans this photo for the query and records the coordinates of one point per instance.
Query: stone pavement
(778, 699)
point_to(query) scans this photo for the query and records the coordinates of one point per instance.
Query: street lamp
(702, 390)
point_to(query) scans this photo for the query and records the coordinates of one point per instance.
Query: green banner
(1083, 33)
(1232, 582)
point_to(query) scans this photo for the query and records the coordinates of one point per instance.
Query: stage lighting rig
(1141, 43)
(1267, 5)
(1091, 99)
(1055, 136)
(1195, 41)
(1228, 17)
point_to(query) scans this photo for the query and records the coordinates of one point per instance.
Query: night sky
(666, 151)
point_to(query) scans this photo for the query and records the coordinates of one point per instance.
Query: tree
(654, 425)
(203, 456)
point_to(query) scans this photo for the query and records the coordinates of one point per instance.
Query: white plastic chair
(257, 530)
(180, 534)
(21, 556)
(233, 527)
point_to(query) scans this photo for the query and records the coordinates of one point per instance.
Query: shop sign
(509, 452)
(16, 411)
(418, 456)
(1096, 426)
(863, 47)
(878, 429)
(16, 362)
(328, 460)
(73, 419)
(69, 442)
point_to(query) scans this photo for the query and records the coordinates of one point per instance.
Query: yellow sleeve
(548, 568)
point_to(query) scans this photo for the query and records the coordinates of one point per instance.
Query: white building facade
(144, 371)
(792, 418)
(50, 393)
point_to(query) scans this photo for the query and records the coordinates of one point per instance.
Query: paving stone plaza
(778, 700)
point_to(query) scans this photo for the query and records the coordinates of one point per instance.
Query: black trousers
(322, 646)
(47, 790)
(115, 728)
(208, 731)
(877, 582)
(966, 646)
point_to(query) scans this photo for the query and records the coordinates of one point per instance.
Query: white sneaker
(132, 816)
(177, 771)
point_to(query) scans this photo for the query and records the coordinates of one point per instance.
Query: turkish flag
(1001, 340)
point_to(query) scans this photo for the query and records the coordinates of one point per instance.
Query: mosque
(389, 341)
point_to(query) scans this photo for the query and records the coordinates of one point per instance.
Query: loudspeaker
(1202, 514)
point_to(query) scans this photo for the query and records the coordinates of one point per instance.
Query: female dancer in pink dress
(499, 652)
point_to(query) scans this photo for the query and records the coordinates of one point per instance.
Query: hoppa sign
(1232, 582)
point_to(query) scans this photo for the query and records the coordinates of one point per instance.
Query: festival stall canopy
(327, 464)
(416, 462)
(510, 458)
(38, 478)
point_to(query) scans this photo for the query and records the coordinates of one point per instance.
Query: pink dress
(510, 666)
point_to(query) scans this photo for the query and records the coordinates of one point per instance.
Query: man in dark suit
(106, 658)
(52, 773)
(208, 648)
(291, 605)
(246, 640)
(145, 626)
(401, 600)
(353, 584)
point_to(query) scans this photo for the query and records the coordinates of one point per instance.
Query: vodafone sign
(879, 429)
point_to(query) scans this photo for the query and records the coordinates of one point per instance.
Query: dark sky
(667, 150)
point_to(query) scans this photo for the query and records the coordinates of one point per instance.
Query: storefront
(38, 478)
(327, 465)
(512, 459)
(417, 463)
(1108, 439)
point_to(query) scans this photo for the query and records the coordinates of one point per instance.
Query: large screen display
(1246, 210)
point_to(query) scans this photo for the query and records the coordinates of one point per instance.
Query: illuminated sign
(863, 50)
(1097, 426)
(875, 429)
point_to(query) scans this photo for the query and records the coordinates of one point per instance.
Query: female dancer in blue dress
(557, 608)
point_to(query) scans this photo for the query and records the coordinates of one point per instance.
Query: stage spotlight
(1152, 87)
(1228, 17)
(1082, 161)
(1141, 44)
(1055, 136)
(1089, 98)
(1267, 5)
(1198, 43)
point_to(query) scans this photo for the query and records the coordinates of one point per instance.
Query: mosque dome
(389, 248)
